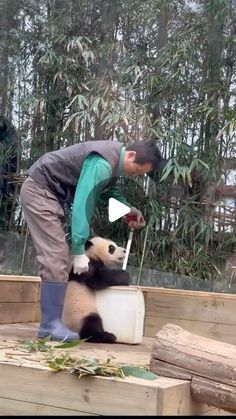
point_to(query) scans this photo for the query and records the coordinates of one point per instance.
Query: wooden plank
(38, 313)
(126, 354)
(18, 312)
(96, 395)
(181, 305)
(217, 331)
(16, 331)
(177, 401)
(19, 291)
(22, 278)
(26, 388)
(205, 313)
(10, 407)
(177, 396)
(188, 293)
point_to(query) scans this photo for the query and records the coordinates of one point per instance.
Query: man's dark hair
(147, 151)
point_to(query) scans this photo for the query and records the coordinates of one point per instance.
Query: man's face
(131, 168)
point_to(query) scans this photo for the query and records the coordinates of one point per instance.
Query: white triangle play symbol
(117, 209)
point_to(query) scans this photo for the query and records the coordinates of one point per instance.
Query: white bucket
(122, 310)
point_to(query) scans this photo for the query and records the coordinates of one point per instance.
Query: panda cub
(80, 313)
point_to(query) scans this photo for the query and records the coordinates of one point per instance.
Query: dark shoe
(51, 304)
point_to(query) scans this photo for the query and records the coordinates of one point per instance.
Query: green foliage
(42, 344)
(123, 70)
(6, 153)
(35, 345)
(82, 366)
(91, 366)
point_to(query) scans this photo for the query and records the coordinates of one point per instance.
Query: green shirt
(95, 175)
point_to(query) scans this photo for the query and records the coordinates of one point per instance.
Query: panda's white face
(105, 250)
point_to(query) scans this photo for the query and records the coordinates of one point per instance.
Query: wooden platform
(29, 387)
(209, 314)
(19, 298)
(33, 389)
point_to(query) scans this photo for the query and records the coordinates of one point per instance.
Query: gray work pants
(45, 216)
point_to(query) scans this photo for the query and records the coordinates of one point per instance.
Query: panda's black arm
(108, 277)
(99, 277)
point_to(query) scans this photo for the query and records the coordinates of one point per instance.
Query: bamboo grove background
(77, 70)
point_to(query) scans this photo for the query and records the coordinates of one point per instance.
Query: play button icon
(117, 209)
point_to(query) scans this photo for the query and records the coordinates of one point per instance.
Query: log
(210, 365)
(197, 354)
(219, 395)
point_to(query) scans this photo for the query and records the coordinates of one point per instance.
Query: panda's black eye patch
(111, 249)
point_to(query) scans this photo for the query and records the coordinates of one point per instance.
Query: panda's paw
(105, 337)
(109, 337)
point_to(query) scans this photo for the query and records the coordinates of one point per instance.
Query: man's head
(141, 157)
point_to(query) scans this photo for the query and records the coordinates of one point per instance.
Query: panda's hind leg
(93, 331)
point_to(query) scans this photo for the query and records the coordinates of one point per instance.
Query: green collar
(121, 160)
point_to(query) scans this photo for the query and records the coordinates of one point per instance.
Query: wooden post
(210, 365)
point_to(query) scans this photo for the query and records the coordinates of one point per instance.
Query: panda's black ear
(88, 244)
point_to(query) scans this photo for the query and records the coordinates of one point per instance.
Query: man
(75, 176)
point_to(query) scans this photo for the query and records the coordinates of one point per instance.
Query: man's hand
(134, 219)
(80, 264)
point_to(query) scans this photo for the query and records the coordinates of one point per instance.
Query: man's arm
(113, 192)
(95, 175)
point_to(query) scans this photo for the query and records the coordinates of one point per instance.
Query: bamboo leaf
(167, 170)
(176, 176)
(106, 119)
(71, 344)
(36, 345)
(139, 373)
(189, 178)
(70, 119)
(203, 164)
